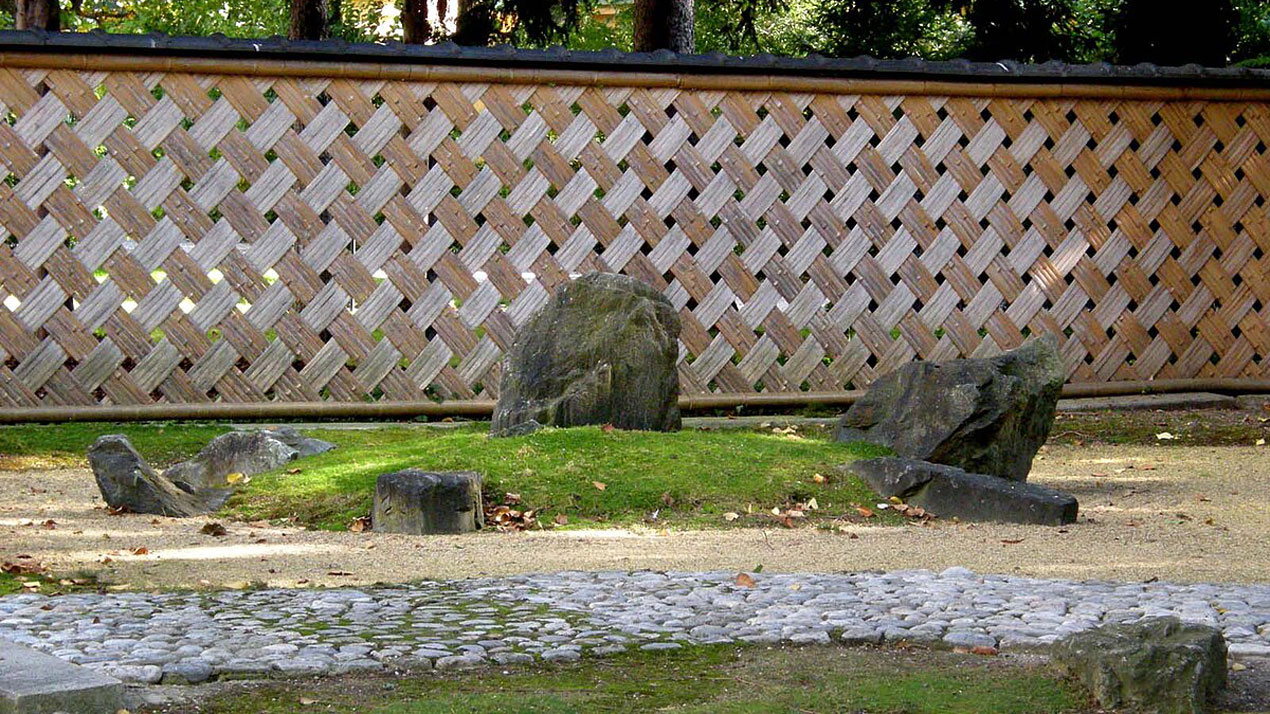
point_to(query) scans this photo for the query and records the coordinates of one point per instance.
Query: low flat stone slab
(1144, 402)
(949, 492)
(35, 683)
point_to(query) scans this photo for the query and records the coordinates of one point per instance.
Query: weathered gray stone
(603, 351)
(35, 683)
(986, 416)
(1159, 664)
(245, 452)
(127, 482)
(950, 492)
(304, 445)
(422, 502)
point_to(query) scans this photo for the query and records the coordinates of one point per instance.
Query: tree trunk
(38, 15)
(308, 20)
(476, 23)
(664, 25)
(416, 29)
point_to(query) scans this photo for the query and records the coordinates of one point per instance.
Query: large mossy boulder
(603, 351)
(1157, 665)
(129, 484)
(986, 416)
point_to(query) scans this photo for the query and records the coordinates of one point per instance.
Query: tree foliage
(1174, 32)
(1211, 32)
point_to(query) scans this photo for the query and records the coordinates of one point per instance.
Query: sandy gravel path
(1176, 513)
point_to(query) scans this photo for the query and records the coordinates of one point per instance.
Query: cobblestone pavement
(193, 637)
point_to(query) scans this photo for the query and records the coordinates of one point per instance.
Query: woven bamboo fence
(261, 235)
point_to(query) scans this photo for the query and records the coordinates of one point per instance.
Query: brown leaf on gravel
(118, 511)
(213, 529)
(339, 573)
(49, 525)
(743, 580)
(1011, 541)
(360, 524)
(141, 551)
(21, 568)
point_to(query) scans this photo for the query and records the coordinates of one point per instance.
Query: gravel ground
(1176, 513)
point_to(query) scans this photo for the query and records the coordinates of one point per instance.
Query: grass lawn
(697, 680)
(587, 474)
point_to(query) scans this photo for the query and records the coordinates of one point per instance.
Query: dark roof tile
(449, 53)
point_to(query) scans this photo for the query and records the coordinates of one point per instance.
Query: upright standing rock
(603, 351)
(987, 416)
(128, 483)
(423, 502)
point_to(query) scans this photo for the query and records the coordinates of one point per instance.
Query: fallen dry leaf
(21, 568)
(294, 470)
(730, 516)
(236, 478)
(561, 519)
(667, 499)
(812, 505)
(744, 580)
(141, 551)
(864, 512)
(818, 478)
(599, 485)
(339, 573)
(607, 428)
(360, 524)
(1011, 541)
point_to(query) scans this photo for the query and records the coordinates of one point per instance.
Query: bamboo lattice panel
(187, 238)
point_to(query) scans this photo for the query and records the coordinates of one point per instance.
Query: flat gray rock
(603, 350)
(245, 452)
(950, 492)
(304, 445)
(1150, 402)
(987, 416)
(36, 683)
(1160, 664)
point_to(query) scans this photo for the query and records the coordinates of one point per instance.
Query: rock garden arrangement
(200, 485)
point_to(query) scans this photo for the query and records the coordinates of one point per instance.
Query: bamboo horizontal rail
(481, 409)
(700, 81)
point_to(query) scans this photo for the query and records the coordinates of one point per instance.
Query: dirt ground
(1176, 513)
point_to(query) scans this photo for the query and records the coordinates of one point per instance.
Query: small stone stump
(425, 502)
(1159, 665)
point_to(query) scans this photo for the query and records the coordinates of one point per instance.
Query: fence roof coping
(447, 53)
